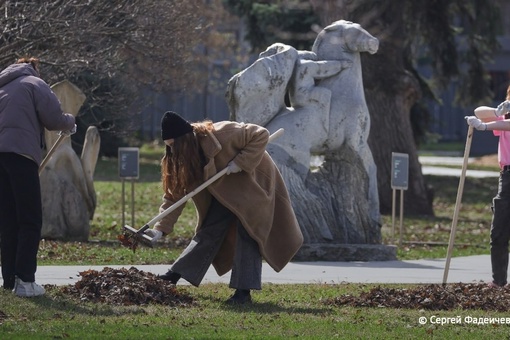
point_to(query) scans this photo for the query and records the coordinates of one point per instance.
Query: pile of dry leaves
(432, 297)
(125, 287)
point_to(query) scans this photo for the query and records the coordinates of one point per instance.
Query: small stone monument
(67, 187)
(336, 202)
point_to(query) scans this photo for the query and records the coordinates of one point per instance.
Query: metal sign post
(128, 169)
(400, 181)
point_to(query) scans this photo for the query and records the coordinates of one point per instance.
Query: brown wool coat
(257, 195)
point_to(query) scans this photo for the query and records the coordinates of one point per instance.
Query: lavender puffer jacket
(27, 106)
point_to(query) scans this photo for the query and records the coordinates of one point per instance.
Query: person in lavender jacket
(27, 106)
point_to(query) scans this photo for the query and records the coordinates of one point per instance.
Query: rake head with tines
(131, 237)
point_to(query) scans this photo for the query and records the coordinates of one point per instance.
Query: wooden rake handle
(460, 189)
(60, 139)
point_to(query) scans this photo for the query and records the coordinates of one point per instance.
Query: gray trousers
(196, 259)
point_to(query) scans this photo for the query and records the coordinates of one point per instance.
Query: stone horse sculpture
(325, 114)
(67, 187)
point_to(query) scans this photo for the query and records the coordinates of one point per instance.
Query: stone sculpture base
(346, 252)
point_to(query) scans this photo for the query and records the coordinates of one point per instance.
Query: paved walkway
(469, 269)
(435, 170)
(432, 166)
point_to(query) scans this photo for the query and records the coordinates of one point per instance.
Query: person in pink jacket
(243, 217)
(27, 106)
(497, 120)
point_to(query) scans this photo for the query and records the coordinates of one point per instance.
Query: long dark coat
(257, 195)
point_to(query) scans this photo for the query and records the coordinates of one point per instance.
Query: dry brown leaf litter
(432, 297)
(135, 287)
(126, 287)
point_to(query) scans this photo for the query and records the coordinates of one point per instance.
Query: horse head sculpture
(326, 114)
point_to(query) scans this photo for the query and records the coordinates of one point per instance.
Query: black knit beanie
(173, 126)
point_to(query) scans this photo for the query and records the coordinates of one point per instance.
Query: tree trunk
(391, 131)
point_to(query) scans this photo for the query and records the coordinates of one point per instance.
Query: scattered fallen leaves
(125, 287)
(432, 297)
(128, 240)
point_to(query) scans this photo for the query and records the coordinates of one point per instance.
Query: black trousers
(500, 230)
(20, 218)
(196, 259)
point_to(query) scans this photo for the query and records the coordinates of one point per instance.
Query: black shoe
(240, 297)
(171, 276)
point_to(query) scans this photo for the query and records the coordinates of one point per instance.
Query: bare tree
(111, 49)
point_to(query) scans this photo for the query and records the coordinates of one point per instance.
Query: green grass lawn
(279, 311)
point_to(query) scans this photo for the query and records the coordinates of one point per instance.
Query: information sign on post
(399, 181)
(128, 163)
(400, 171)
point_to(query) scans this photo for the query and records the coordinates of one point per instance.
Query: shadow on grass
(64, 306)
(475, 190)
(268, 307)
(61, 306)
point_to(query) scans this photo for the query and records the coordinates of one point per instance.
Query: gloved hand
(476, 123)
(233, 168)
(154, 234)
(69, 132)
(503, 108)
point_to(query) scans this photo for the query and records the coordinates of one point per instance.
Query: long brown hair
(183, 168)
